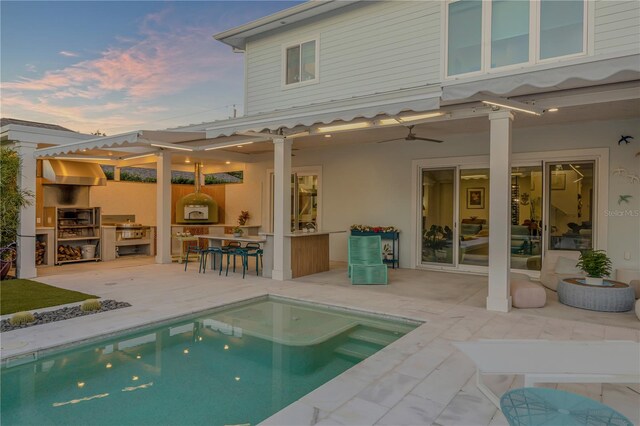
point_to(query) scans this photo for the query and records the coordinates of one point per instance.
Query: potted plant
(596, 264)
(243, 218)
(13, 198)
(386, 252)
(437, 239)
(237, 231)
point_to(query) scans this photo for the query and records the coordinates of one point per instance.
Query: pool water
(229, 366)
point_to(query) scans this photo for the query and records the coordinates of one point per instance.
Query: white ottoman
(527, 294)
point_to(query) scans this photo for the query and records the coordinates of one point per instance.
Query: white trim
(283, 53)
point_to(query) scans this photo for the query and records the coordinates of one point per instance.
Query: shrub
(12, 197)
(22, 318)
(91, 305)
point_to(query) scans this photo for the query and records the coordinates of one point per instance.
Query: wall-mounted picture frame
(475, 198)
(558, 181)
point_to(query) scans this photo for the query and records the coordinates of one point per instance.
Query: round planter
(237, 234)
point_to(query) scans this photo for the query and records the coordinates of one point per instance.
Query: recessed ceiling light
(552, 110)
(328, 136)
(187, 161)
(227, 162)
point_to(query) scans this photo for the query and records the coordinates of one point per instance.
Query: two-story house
(493, 125)
(529, 97)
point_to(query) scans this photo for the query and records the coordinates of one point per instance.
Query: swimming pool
(234, 365)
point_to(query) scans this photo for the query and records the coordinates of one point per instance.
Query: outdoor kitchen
(83, 216)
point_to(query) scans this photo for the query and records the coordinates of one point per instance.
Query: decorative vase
(593, 280)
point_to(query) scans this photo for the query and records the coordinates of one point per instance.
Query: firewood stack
(41, 252)
(68, 253)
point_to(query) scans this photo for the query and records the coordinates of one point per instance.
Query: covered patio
(351, 143)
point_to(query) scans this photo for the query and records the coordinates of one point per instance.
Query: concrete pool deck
(420, 379)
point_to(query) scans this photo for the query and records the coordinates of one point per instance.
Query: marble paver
(420, 379)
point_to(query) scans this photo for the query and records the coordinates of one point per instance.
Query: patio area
(420, 379)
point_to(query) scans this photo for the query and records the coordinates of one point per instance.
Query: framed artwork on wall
(475, 198)
(558, 181)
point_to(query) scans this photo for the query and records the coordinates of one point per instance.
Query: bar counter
(309, 252)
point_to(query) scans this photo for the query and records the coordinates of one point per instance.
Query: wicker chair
(365, 260)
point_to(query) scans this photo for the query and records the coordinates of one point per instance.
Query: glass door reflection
(474, 217)
(304, 202)
(526, 217)
(438, 207)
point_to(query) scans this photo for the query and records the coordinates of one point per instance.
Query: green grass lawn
(25, 295)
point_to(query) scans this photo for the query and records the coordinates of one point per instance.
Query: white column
(281, 209)
(116, 174)
(499, 298)
(163, 207)
(26, 261)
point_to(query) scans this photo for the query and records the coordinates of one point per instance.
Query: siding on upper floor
(384, 46)
(366, 48)
(617, 26)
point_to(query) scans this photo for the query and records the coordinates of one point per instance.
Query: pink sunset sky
(141, 65)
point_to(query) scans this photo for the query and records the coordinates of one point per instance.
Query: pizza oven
(196, 207)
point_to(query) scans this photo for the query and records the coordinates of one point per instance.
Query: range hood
(65, 172)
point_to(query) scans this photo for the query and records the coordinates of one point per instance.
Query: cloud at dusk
(68, 54)
(127, 82)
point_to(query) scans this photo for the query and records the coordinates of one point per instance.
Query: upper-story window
(486, 35)
(301, 63)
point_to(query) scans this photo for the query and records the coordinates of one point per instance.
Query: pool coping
(33, 355)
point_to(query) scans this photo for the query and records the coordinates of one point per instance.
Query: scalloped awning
(141, 138)
(527, 81)
(417, 99)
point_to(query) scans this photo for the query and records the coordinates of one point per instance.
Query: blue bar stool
(195, 249)
(214, 252)
(254, 250)
(234, 249)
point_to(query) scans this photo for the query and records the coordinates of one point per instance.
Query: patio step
(375, 335)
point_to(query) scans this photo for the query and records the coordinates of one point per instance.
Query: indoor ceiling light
(552, 110)
(341, 127)
(227, 145)
(508, 105)
(227, 162)
(469, 177)
(328, 136)
(187, 161)
(171, 146)
(576, 170)
(415, 117)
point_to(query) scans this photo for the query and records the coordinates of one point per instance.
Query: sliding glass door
(526, 217)
(571, 201)
(474, 217)
(438, 215)
(305, 199)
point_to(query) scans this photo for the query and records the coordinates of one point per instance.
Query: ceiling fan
(412, 137)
